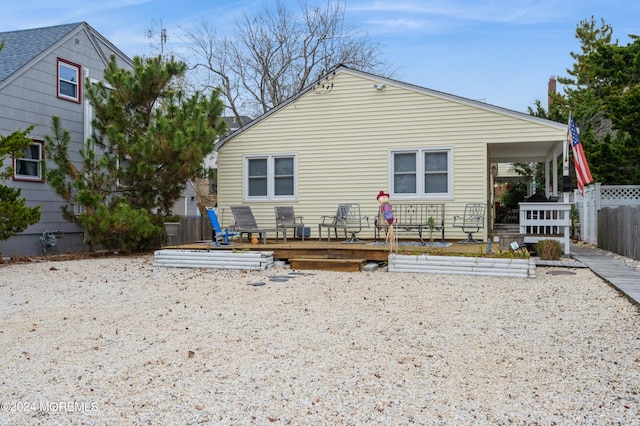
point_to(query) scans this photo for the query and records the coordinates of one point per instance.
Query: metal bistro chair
(347, 218)
(472, 221)
(354, 224)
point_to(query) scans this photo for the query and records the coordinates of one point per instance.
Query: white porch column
(547, 193)
(554, 167)
(566, 184)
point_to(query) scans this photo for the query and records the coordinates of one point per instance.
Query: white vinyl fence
(596, 197)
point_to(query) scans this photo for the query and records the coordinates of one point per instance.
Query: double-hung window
(69, 80)
(421, 173)
(272, 176)
(29, 166)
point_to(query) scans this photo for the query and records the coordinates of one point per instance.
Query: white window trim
(39, 177)
(270, 177)
(419, 195)
(78, 69)
(78, 208)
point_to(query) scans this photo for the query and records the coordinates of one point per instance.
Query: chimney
(551, 88)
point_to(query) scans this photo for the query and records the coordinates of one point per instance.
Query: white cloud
(505, 11)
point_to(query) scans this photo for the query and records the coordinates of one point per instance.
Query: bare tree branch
(275, 53)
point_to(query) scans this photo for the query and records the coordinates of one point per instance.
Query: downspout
(87, 110)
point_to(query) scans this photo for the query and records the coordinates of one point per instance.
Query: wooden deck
(314, 249)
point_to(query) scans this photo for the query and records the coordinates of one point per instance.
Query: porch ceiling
(523, 152)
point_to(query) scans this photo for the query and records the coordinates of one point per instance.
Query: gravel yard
(118, 341)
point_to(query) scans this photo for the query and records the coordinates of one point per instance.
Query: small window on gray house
(68, 80)
(29, 166)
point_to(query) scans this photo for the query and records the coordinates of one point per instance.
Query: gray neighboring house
(43, 72)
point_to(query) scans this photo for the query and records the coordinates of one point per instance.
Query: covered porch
(549, 218)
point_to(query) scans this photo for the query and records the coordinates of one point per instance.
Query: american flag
(580, 161)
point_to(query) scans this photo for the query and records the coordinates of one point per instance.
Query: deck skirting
(340, 265)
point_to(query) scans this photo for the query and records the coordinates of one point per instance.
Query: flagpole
(583, 174)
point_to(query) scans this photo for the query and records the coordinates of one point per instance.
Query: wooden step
(323, 264)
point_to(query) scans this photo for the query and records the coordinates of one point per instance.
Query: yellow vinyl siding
(342, 141)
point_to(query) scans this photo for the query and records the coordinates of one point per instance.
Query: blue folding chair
(219, 236)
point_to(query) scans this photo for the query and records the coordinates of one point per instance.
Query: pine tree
(149, 139)
(15, 215)
(604, 95)
(602, 90)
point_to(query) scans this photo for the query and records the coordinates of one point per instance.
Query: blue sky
(498, 51)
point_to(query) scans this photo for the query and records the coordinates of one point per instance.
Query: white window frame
(78, 208)
(270, 177)
(420, 173)
(38, 164)
(78, 83)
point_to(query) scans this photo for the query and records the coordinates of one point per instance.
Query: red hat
(382, 194)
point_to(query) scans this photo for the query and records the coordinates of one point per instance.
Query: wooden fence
(619, 230)
(192, 228)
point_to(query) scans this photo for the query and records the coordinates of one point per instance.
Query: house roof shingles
(22, 46)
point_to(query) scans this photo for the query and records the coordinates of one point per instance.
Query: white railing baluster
(546, 221)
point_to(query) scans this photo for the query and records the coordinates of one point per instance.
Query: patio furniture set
(407, 217)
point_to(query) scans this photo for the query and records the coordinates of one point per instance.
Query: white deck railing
(546, 221)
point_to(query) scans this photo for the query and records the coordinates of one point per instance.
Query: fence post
(597, 195)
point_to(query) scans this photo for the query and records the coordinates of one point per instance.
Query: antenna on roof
(150, 34)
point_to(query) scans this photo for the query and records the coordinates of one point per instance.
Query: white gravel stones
(124, 342)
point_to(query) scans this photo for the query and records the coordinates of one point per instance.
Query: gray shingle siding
(28, 95)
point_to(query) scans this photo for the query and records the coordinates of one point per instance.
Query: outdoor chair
(332, 221)
(347, 218)
(286, 218)
(219, 236)
(246, 224)
(472, 221)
